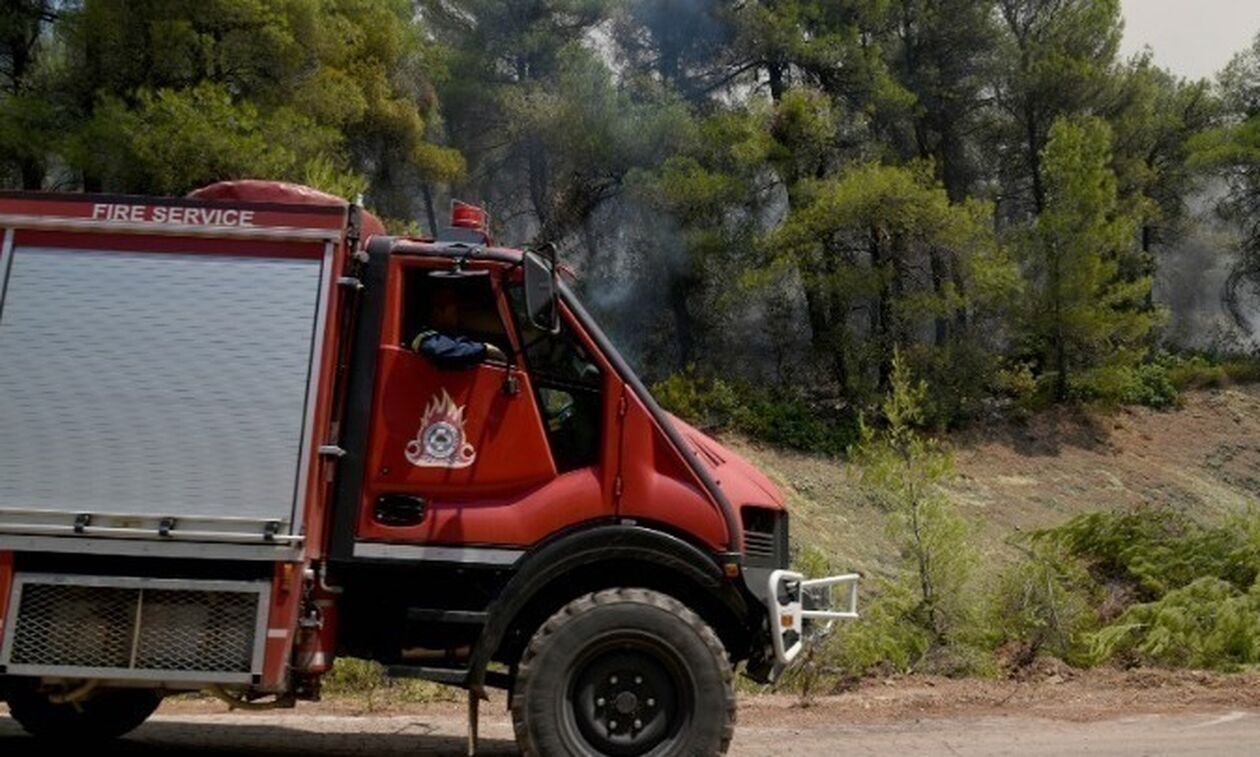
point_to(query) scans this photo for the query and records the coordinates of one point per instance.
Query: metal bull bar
(793, 599)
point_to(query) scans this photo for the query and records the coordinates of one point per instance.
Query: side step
(461, 617)
(451, 676)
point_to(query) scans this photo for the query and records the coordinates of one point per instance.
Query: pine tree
(906, 470)
(1084, 319)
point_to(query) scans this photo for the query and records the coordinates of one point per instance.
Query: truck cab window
(453, 306)
(569, 385)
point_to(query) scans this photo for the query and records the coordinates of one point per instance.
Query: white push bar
(786, 603)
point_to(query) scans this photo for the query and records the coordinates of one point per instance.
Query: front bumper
(793, 599)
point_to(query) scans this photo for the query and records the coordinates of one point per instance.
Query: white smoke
(1190, 282)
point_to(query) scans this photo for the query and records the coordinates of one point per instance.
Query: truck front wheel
(624, 672)
(106, 715)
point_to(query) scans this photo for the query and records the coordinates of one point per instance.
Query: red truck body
(429, 518)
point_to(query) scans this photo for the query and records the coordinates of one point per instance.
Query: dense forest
(766, 200)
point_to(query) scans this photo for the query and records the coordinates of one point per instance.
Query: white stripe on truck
(477, 555)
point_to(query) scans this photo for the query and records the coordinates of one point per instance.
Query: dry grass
(1203, 458)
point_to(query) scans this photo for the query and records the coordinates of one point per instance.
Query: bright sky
(1193, 38)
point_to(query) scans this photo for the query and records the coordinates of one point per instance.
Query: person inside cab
(443, 337)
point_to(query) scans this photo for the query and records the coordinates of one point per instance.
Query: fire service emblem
(440, 442)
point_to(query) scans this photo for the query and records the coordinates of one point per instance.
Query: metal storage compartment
(156, 397)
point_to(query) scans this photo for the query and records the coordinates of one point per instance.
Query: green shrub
(1151, 385)
(1017, 383)
(365, 680)
(793, 422)
(1208, 623)
(1193, 599)
(1158, 550)
(1148, 384)
(961, 376)
(934, 594)
(769, 414)
(1205, 372)
(1045, 603)
(1159, 382)
(350, 675)
(885, 636)
(708, 403)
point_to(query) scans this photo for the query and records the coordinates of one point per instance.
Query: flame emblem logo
(440, 442)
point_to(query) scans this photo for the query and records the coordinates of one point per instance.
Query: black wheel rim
(628, 695)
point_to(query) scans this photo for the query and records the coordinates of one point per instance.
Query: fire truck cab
(226, 459)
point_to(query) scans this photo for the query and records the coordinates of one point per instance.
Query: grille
(765, 537)
(132, 630)
(759, 544)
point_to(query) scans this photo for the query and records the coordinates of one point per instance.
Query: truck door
(459, 466)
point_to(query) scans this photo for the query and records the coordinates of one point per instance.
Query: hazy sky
(1194, 38)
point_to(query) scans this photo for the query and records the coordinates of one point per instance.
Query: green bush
(1158, 550)
(1159, 382)
(1151, 385)
(366, 681)
(885, 636)
(708, 403)
(930, 608)
(1188, 592)
(1209, 623)
(1205, 372)
(1017, 383)
(794, 422)
(1045, 603)
(1148, 384)
(963, 377)
(770, 414)
(1147, 586)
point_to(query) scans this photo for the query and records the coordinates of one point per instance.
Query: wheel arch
(603, 557)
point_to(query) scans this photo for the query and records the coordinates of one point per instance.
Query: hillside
(1203, 457)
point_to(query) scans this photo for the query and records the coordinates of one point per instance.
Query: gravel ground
(1206, 733)
(1058, 712)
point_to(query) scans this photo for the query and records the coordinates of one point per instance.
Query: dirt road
(1100, 713)
(1205, 733)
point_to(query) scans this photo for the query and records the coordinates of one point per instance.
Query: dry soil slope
(1203, 457)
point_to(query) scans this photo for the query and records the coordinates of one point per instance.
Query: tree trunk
(881, 325)
(32, 173)
(897, 286)
(838, 341)
(1060, 342)
(426, 191)
(776, 71)
(937, 263)
(816, 309)
(1061, 370)
(1148, 263)
(1034, 160)
(960, 313)
(538, 188)
(679, 293)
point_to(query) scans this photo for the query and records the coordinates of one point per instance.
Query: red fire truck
(223, 463)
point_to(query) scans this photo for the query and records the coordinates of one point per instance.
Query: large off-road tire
(106, 715)
(624, 672)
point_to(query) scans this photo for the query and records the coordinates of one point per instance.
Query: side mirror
(541, 288)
